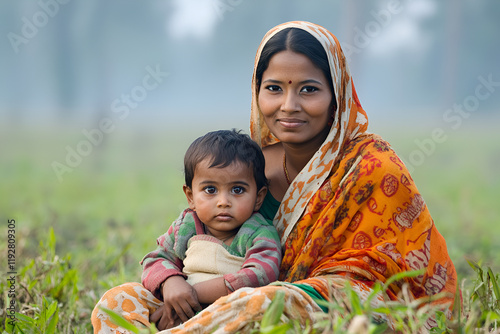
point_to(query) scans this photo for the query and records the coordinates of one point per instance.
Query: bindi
(289, 81)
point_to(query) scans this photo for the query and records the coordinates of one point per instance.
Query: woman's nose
(290, 102)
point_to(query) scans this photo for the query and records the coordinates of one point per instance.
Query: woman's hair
(224, 147)
(299, 41)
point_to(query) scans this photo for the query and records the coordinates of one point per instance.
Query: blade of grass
(120, 321)
(51, 328)
(400, 276)
(273, 314)
(494, 284)
(476, 267)
(457, 308)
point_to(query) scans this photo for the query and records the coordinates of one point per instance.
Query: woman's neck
(297, 156)
(296, 159)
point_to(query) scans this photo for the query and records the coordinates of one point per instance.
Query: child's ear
(189, 196)
(261, 194)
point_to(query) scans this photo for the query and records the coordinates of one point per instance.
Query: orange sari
(368, 222)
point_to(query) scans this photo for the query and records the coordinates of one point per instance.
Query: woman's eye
(210, 190)
(309, 89)
(273, 88)
(238, 190)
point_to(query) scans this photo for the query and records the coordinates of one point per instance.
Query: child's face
(224, 198)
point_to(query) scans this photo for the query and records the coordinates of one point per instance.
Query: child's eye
(210, 190)
(273, 88)
(238, 190)
(309, 89)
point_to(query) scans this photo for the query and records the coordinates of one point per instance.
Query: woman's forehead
(289, 66)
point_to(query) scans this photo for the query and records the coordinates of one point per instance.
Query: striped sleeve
(166, 260)
(260, 243)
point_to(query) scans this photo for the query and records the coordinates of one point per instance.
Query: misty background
(410, 59)
(100, 99)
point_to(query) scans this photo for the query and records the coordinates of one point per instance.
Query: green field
(107, 212)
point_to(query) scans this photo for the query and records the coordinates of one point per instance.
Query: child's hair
(224, 147)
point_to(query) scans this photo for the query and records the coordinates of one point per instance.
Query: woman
(344, 204)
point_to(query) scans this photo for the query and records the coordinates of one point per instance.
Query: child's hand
(164, 319)
(180, 303)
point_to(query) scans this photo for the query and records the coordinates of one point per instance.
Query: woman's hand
(180, 303)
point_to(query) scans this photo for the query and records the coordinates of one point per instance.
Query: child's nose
(223, 200)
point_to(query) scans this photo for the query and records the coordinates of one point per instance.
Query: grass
(128, 190)
(51, 299)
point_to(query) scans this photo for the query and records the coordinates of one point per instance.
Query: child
(220, 243)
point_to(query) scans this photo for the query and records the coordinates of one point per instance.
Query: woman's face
(295, 99)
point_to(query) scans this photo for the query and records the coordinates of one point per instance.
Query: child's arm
(211, 290)
(166, 260)
(161, 264)
(163, 276)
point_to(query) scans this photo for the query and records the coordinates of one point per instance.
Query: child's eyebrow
(208, 182)
(241, 182)
(233, 183)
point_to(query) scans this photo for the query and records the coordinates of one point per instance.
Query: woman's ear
(261, 194)
(189, 196)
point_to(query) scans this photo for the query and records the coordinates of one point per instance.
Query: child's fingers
(184, 311)
(156, 314)
(163, 318)
(195, 305)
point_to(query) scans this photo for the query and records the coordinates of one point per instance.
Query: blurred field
(460, 183)
(108, 211)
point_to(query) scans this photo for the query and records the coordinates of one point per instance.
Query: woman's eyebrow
(272, 81)
(307, 81)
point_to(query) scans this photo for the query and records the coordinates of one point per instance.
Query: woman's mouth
(290, 123)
